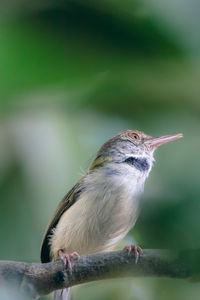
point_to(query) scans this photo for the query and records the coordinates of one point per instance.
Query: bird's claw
(66, 258)
(136, 249)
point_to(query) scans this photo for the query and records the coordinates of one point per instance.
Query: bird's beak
(155, 142)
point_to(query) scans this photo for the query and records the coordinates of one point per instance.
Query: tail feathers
(62, 294)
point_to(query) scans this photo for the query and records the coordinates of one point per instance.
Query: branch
(35, 279)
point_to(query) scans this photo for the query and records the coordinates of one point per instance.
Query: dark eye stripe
(139, 163)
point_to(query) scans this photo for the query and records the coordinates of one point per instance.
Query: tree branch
(35, 279)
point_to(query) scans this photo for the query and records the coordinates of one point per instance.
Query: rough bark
(35, 279)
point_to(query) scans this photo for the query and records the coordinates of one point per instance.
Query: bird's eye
(133, 135)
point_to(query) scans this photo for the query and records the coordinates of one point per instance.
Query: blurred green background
(74, 73)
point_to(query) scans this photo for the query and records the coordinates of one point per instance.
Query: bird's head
(131, 147)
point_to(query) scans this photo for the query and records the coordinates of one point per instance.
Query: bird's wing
(71, 197)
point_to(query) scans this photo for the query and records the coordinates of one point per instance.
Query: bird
(98, 212)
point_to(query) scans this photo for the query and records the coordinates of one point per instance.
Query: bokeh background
(74, 73)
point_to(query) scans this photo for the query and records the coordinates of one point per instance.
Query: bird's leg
(136, 249)
(65, 257)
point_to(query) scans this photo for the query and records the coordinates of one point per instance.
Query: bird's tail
(62, 294)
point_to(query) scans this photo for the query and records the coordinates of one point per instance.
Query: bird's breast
(104, 213)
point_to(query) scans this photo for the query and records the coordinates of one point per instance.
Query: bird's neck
(128, 176)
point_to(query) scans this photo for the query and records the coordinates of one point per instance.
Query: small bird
(102, 207)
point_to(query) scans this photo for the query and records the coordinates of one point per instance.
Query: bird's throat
(140, 163)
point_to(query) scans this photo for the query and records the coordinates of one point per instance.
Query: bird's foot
(66, 258)
(136, 250)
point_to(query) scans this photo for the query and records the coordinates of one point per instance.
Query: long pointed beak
(155, 142)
